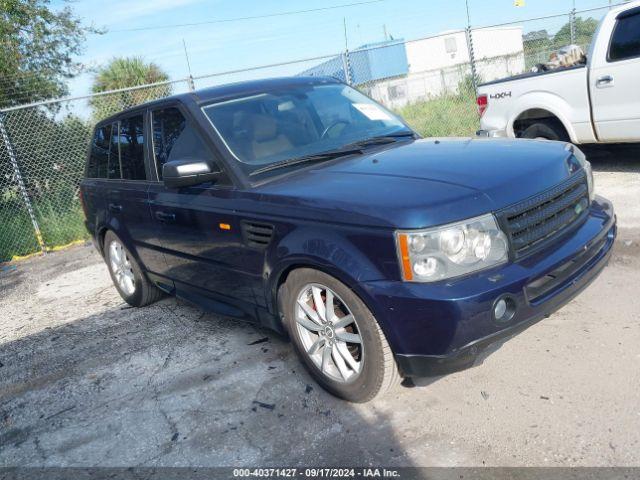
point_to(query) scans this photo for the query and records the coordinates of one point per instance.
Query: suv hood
(421, 183)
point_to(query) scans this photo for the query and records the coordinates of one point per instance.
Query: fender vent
(257, 235)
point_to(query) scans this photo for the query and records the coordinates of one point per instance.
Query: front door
(201, 232)
(613, 81)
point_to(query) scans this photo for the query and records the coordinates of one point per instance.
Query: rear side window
(99, 156)
(175, 139)
(131, 146)
(625, 42)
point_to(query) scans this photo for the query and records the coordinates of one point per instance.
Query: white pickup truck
(594, 103)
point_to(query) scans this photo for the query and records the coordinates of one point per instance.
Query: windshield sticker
(371, 111)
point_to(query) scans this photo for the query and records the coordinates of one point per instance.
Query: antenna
(192, 87)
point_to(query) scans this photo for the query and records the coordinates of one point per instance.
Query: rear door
(94, 186)
(613, 80)
(127, 198)
(201, 231)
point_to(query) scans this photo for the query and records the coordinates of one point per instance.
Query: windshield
(277, 126)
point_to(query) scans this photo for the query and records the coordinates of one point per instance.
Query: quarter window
(625, 42)
(175, 139)
(99, 157)
(131, 145)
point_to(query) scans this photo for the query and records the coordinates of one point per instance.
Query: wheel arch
(280, 277)
(538, 106)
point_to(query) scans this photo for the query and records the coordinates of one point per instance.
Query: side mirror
(186, 173)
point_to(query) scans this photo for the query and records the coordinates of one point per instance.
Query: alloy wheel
(121, 268)
(329, 333)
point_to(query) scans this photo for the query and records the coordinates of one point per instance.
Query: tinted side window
(625, 42)
(114, 157)
(175, 139)
(99, 157)
(131, 142)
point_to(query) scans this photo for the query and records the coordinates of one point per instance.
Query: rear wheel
(337, 337)
(546, 131)
(127, 276)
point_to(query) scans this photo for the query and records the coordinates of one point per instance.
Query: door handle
(165, 217)
(604, 81)
(115, 208)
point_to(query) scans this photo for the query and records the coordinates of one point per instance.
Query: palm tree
(126, 72)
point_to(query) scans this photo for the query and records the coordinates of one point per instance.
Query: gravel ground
(87, 381)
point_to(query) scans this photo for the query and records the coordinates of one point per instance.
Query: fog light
(504, 309)
(500, 309)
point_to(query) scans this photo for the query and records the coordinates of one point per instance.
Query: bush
(446, 116)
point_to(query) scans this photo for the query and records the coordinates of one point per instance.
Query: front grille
(537, 221)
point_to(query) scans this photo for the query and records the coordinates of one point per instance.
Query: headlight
(451, 250)
(586, 165)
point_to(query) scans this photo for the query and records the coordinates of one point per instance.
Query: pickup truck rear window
(625, 42)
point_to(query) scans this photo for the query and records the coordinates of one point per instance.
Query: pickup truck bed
(594, 103)
(530, 75)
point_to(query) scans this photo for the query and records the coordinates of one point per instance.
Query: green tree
(121, 73)
(584, 30)
(37, 49)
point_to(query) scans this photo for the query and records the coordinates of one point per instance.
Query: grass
(446, 116)
(61, 228)
(16, 233)
(17, 236)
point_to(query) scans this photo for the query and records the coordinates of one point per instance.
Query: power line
(238, 19)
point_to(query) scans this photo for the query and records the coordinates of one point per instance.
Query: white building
(437, 65)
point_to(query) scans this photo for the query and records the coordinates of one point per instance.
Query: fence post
(472, 60)
(346, 67)
(572, 24)
(23, 190)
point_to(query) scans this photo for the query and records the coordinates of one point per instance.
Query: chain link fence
(431, 82)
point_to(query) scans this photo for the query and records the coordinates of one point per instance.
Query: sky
(231, 45)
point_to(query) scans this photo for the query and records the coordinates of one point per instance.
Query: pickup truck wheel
(337, 337)
(127, 276)
(545, 131)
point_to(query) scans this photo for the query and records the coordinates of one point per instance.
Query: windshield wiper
(381, 139)
(317, 157)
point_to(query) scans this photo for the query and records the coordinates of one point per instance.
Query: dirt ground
(86, 380)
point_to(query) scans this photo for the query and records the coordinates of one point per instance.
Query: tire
(139, 291)
(547, 131)
(371, 370)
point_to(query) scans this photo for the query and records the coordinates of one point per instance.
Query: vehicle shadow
(171, 385)
(613, 158)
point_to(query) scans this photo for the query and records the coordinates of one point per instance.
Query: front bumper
(447, 326)
(492, 133)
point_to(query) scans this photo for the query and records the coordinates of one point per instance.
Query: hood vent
(257, 235)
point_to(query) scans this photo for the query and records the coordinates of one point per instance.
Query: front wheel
(337, 337)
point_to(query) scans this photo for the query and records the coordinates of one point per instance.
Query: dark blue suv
(304, 206)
